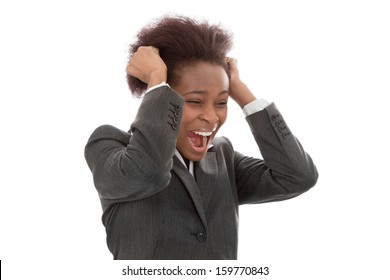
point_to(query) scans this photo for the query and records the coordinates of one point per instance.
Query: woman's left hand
(237, 89)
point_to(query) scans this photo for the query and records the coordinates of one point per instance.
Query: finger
(133, 71)
(132, 68)
(232, 64)
(156, 50)
(148, 48)
(128, 69)
(231, 60)
(227, 59)
(130, 65)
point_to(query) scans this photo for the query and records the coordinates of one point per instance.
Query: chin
(193, 157)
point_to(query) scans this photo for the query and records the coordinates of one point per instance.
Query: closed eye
(222, 103)
(193, 101)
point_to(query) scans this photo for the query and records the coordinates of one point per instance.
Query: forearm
(282, 152)
(133, 167)
(286, 171)
(241, 94)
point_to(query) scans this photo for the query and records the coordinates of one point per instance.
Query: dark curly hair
(181, 41)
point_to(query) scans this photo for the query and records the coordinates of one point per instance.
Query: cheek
(223, 115)
(187, 118)
(188, 115)
(191, 114)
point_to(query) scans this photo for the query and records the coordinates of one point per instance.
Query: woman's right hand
(147, 65)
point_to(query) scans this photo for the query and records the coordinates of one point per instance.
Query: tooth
(204, 141)
(201, 133)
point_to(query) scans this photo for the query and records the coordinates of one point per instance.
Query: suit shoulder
(222, 143)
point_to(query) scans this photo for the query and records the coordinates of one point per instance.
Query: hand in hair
(147, 65)
(238, 91)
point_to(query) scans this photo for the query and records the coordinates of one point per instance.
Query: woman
(169, 189)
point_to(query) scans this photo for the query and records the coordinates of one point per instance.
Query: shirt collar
(191, 163)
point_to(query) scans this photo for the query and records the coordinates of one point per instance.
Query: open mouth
(199, 140)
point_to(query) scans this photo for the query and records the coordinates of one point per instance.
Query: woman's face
(204, 87)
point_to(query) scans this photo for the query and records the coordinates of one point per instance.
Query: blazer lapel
(191, 186)
(206, 173)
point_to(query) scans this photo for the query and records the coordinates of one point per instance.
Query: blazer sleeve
(136, 164)
(286, 171)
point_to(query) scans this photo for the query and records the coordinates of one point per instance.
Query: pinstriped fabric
(153, 208)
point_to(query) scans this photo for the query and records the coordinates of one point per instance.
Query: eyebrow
(203, 92)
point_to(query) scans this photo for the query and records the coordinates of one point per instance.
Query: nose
(209, 115)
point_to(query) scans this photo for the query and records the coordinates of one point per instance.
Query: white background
(324, 63)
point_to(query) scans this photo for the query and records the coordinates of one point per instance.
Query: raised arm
(287, 170)
(137, 164)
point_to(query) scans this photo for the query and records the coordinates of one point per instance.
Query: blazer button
(275, 117)
(201, 236)
(285, 134)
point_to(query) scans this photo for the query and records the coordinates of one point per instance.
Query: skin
(205, 88)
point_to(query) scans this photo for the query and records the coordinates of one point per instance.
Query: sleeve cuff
(156, 86)
(255, 106)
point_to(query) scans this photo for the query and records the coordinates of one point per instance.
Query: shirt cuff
(255, 106)
(156, 86)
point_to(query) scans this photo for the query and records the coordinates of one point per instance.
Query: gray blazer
(153, 208)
